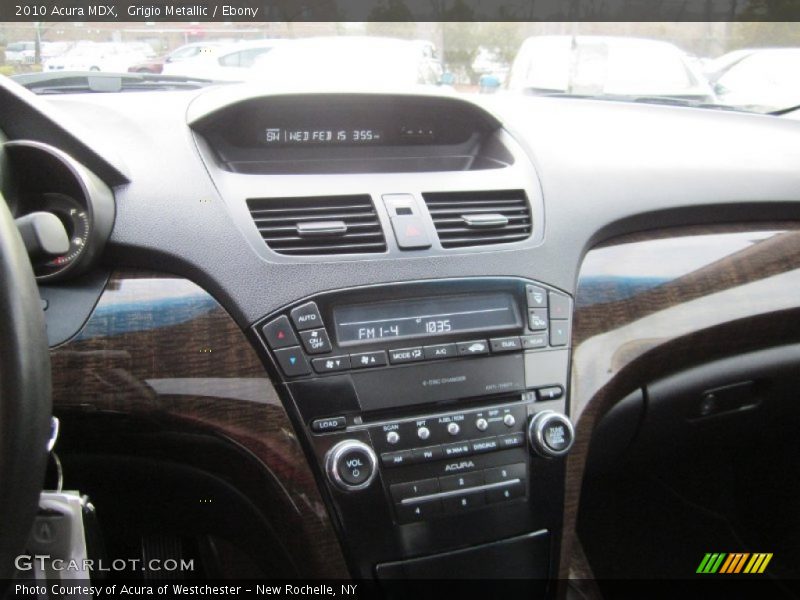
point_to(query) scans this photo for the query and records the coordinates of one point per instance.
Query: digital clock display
(287, 136)
(428, 317)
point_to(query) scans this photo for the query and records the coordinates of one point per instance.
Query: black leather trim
(25, 394)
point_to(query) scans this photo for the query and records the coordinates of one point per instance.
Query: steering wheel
(25, 389)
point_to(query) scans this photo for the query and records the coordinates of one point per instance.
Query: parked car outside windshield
(762, 81)
(606, 66)
(355, 61)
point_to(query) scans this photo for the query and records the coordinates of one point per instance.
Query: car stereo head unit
(430, 406)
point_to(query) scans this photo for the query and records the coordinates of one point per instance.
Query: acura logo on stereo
(460, 466)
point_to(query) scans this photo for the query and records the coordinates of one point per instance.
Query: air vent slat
(522, 228)
(447, 210)
(339, 249)
(481, 240)
(309, 209)
(458, 221)
(461, 204)
(317, 217)
(475, 210)
(277, 221)
(293, 228)
(355, 236)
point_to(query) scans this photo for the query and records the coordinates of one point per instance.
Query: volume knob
(550, 434)
(351, 465)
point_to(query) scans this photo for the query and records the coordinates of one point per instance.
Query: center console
(434, 413)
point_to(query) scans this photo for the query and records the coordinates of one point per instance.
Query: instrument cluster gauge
(47, 180)
(75, 219)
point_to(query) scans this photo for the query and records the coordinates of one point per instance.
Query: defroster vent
(480, 218)
(318, 225)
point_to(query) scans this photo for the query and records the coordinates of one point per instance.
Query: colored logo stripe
(758, 563)
(721, 562)
(736, 562)
(710, 563)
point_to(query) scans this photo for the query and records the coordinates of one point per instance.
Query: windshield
(742, 66)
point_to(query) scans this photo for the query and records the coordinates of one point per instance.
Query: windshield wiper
(784, 111)
(666, 100)
(71, 82)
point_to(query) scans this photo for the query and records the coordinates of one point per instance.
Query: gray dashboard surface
(604, 168)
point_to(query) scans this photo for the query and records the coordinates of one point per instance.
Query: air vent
(480, 218)
(318, 225)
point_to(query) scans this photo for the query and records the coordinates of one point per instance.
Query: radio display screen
(425, 317)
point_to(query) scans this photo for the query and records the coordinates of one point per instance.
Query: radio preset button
(392, 437)
(482, 424)
(306, 316)
(417, 511)
(537, 319)
(405, 355)
(453, 428)
(424, 487)
(537, 297)
(464, 501)
(331, 364)
(509, 420)
(507, 344)
(366, 360)
(448, 483)
(439, 351)
(509, 492)
(474, 347)
(506, 473)
(279, 334)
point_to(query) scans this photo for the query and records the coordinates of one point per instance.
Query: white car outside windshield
(597, 66)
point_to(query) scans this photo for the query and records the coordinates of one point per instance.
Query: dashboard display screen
(286, 136)
(364, 323)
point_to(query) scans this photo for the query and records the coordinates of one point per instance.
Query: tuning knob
(351, 465)
(550, 434)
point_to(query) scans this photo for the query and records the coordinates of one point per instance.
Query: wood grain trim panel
(161, 348)
(655, 303)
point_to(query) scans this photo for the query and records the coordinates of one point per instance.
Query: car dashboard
(375, 334)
